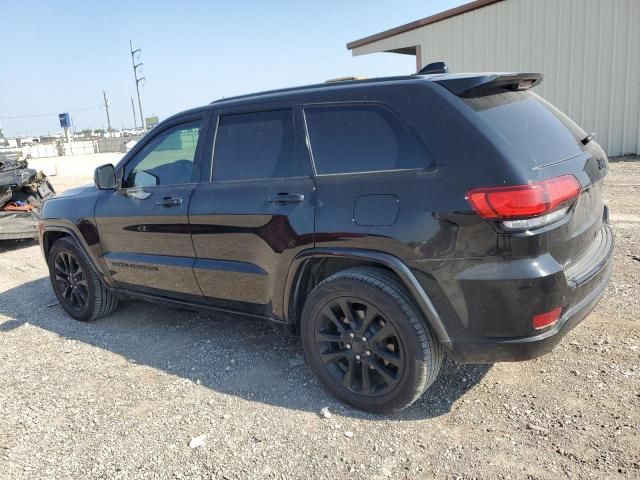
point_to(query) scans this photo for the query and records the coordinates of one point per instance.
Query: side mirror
(105, 177)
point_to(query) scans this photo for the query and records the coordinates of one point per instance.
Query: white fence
(75, 166)
(85, 147)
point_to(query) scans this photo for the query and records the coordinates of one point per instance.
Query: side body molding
(403, 272)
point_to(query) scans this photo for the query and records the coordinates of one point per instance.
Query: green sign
(151, 122)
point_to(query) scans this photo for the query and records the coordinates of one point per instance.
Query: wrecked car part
(22, 191)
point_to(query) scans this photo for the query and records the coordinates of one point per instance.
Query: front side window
(166, 160)
(256, 145)
(361, 138)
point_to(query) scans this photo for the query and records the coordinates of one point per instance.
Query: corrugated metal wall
(589, 51)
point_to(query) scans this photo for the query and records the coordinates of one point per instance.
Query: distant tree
(99, 131)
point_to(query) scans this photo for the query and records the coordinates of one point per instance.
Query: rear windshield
(537, 131)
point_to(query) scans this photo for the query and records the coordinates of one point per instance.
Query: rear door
(144, 225)
(373, 176)
(256, 213)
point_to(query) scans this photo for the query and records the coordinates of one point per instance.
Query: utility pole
(138, 80)
(106, 107)
(133, 109)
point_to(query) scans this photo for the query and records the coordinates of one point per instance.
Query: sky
(59, 56)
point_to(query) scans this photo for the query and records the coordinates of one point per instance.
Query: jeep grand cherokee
(387, 221)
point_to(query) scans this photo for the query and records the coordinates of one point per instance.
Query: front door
(144, 225)
(257, 213)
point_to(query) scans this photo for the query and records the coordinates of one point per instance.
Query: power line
(35, 115)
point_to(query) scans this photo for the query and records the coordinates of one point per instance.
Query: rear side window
(361, 138)
(256, 145)
(537, 131)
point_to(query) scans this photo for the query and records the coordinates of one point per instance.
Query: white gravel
(152, 392)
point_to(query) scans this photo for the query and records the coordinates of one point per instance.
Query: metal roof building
(588, 50)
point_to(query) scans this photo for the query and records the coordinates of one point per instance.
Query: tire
(402, 365)
(98, 301)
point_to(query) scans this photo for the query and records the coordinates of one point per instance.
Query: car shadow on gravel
(228, 354)
(7, 245)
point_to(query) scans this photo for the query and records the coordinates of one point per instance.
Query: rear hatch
(546, 145)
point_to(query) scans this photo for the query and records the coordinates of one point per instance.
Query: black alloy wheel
(359, 347)
(366, 341)
(76, 284)
(71, 281)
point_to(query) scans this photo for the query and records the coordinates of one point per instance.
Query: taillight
(526, 206)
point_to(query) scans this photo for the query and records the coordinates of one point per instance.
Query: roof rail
(344, 79)
(329, 84)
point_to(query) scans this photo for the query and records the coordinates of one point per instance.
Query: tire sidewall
(416, 358)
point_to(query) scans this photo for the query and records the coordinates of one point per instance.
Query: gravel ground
(126, 396)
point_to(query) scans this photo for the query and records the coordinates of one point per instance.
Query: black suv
(387, 221)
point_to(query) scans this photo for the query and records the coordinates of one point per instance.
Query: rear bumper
(487, 304)
(491, 350)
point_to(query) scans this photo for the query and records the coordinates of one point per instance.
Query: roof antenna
(435, 67)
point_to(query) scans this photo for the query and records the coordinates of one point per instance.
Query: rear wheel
(364, 339)
(77, 286)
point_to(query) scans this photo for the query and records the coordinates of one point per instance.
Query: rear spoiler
(474, 86)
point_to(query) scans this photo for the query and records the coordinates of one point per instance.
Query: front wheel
(77, 286)
(365, 341)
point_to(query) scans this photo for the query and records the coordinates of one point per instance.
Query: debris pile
(22, 190)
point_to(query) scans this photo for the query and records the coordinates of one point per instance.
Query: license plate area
(44, 190)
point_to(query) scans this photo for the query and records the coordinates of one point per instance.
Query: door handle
(285, 198)
(169, 202)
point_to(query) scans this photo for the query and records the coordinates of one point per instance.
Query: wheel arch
(49, 237)
(52, 233)
(300, 280)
